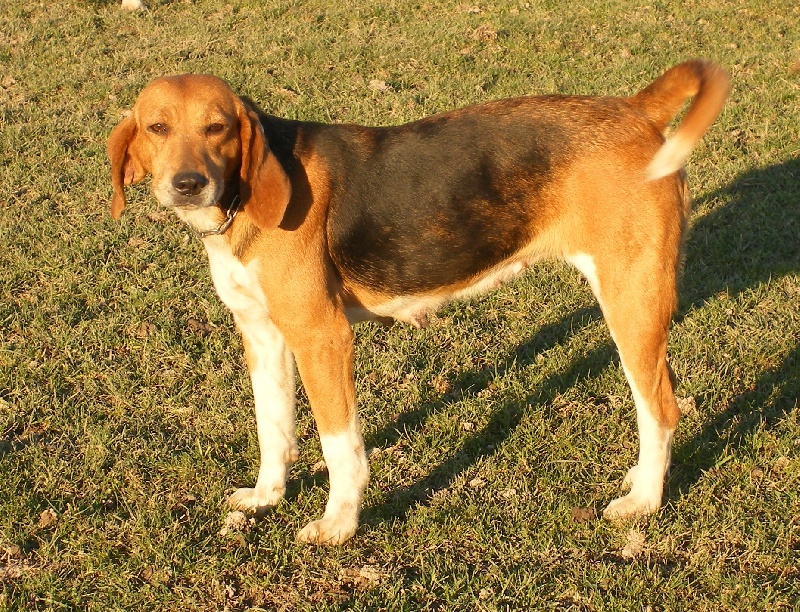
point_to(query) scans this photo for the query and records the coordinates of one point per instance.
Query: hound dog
(310, 228)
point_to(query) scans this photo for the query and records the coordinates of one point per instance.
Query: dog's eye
(158, 128)
(215, 128)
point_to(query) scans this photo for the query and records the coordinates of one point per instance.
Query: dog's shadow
(752, 236)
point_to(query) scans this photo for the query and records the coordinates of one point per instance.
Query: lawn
(499, 432)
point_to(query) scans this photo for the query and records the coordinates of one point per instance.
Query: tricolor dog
(310, 228)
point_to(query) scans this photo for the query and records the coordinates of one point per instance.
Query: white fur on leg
(586, 266)
(630, 477)
(646, 478)
(273, 378)
(272, 373)
(348, 471)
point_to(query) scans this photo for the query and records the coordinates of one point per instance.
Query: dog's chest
(236, 284)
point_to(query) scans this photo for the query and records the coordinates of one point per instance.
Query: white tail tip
(669, 158)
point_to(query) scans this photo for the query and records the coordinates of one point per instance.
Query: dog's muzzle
(189, 184)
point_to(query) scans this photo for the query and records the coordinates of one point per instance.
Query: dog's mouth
(189, 204)
(188, 191)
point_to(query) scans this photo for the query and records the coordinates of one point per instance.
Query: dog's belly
(422, 254)
(416, 309)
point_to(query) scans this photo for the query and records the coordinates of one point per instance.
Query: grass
(501, 430)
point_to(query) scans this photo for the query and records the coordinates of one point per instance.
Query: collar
(230, 214)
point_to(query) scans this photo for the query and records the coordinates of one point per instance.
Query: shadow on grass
(753, 238)
(775, 395)
(470, 383)
(502, 422)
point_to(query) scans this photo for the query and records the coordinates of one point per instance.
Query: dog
(310, 228)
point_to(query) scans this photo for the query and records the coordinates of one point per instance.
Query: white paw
(630, 506)
(328, 531)
(253, 500)
(630, 478)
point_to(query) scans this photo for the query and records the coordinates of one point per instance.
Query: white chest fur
(236, 284)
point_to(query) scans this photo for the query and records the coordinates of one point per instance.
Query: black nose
(189, 183)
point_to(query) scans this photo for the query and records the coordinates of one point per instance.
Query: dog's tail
(704, 80)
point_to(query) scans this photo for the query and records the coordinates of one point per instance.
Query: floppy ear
(264, 187)
(126, 167)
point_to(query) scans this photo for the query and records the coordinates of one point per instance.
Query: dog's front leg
(272, 375)
(324, 354)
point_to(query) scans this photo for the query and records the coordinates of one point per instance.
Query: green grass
(492, 426)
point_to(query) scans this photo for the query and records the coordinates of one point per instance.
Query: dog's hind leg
(637, 301)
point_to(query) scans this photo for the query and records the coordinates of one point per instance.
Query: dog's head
(194, 135)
